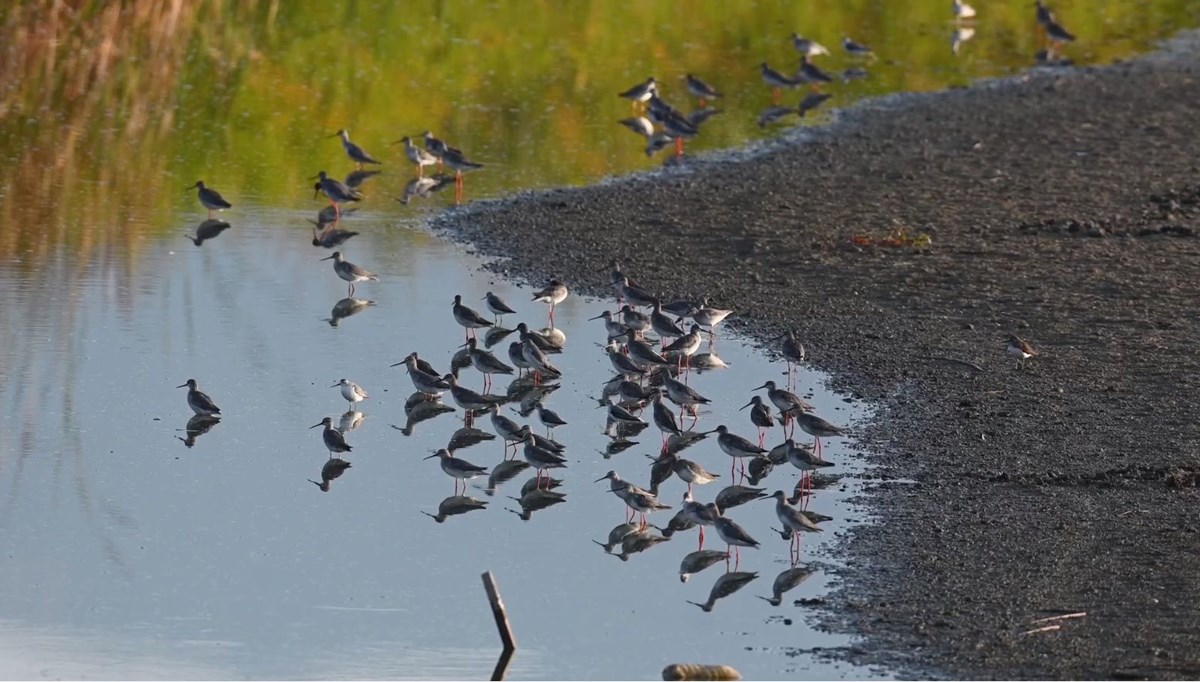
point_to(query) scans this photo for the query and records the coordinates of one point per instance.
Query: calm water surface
(131, 555)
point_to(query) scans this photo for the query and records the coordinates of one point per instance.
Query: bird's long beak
(395, 365)
(758, 387)
(316, 425)
(315, 176)
(431, 456)
(182, 386)
(596, 317)
(745, 406)
(329, 136)
(192, 187)
(330, 257)
(602, 478)
(335, 385)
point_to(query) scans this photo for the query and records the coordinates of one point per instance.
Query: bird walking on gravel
(1020, 349)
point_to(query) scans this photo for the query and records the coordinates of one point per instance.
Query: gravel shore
(1063, 206)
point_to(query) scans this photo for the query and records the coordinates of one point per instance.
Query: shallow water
(130, 554)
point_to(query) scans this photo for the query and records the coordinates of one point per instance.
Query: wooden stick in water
(502, 625)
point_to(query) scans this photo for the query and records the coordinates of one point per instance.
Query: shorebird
(468, 317)
(429, 383)
(663, 325)
(812, 74)
(635, 295)
(792, 520)
(640, 93)
(541, 458)
(1020, 349)
(726, 585)
(683, 395)
(553, 293)
(699, 513)
(355, 152)
(623, 416)
(417, 156)
(436, 147)
(456, 161)
(335, 191)
(786, 401)
(634, 319)
(351, 391)
(786, 581)
(692, 473)
(333, 468)
(533, 355)
(199, 401)
(484, 361)
(1055, 33)
(638, 542)
(760, 416)
(470, 400)
(536, 500)
(209, 198)
(708, 316)
(806, 461)
(817, 428)
(685, 346)
(700, 90)
(621, 363)
(702, 362)
(497, 305)
(734, 535)
(642, 354)
(736, 447)
(962, 10)
(613, 328)
(776, 81)
(856, 49)
(808, 48)
(664, 418)
(793, 350)
(457, 468)
(349, 271)
(548, 417)
(334, 441)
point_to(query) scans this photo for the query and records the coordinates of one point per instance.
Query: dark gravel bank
(1065, 207)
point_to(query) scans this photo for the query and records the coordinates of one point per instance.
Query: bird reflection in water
(424, 187)
(355, 179)
(421, 407)
(504, 472)
(329, 236)
(454, 505)
(678, 524)
(697, 561)
(639, 541)
(726, 585)
(536, 500)
(617, 445)
(333, 468)
(197, 426)
(787, 580)
(347, 307)
(467, 436)
(619, 533)
(495, 334)
(209, 229)
(351, 420)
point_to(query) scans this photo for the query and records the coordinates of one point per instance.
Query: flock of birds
(653, 346)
